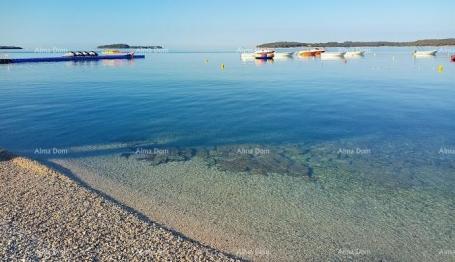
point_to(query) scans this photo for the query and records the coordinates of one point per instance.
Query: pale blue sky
(219, 24)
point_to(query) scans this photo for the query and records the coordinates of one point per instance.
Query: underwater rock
(257, 160)
(162, 156)
(252, 159)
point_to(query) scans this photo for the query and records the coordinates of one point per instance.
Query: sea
(290, 159)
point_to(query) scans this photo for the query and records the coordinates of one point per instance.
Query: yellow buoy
(440, 69)
(222, 66)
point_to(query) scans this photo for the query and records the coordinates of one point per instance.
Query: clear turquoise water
(179, 95)
(393, 203)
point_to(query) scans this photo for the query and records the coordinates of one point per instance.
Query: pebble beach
(45, 215)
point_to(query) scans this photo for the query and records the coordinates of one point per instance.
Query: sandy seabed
(387, 205)
(390, 202)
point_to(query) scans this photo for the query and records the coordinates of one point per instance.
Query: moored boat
(80, 53)
(306, 53)
(113, 52)
(264, 54)
(332, 54)
(311, 52)
(354, 53)
(425, 53)
(283, 54)
(452, 58)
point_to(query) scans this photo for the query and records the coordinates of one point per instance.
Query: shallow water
(297, 158)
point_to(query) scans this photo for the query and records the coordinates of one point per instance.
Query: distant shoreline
(126, 46)
(10, 47)
(426, 42)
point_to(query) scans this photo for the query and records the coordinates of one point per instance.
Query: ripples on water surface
(299, 158)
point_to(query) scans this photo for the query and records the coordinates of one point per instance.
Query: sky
(180, 24)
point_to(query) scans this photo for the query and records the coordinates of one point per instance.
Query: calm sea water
(182, 95)
(377, 133)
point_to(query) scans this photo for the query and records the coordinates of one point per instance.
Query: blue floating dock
(68, 58)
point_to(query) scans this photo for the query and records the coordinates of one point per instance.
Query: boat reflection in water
(117, 63)
(334, 58)
(306, 58)
(263, 61)
(94, 63)
(251, 59)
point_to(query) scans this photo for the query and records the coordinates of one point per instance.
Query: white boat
(264, 54)
(311, 52)
(354, 53)
(425, 53)
(283, 54)
(333, 58)
(332, 54)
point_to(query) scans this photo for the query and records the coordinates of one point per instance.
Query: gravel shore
(45, 215)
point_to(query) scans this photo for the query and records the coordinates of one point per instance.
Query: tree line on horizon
(426, 42)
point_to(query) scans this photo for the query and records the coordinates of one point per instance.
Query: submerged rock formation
(251, 159)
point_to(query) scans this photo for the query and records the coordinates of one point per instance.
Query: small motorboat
(80, 53)
(425, 53)
(452, 58)
(317, 51)
(311, 52)
(71, 53)
(332, 54)
(306, 53)
(354, 53)
(114, 52)
(283, 54)
(264, 54)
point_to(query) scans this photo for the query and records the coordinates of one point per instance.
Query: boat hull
(284, 54)
(309, 53)
(333, 54)
(425, 53)
(452, 58)
(264, 55)
(354, 53)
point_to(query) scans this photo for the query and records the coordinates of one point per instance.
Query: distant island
(9, 47)
(426, 42)
(125, 46)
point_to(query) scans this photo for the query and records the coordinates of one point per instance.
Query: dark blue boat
(69, 58)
